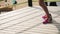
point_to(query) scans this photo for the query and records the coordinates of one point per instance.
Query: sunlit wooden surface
(29, 20)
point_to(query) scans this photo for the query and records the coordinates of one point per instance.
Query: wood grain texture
(29, 20)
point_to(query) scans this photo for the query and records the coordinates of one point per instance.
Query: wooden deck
(29, 20)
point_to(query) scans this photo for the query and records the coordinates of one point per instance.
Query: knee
(41, 4)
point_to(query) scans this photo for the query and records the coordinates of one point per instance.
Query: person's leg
(30, 3)
(42, 4)
(53, 4)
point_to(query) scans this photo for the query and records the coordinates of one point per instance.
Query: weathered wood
(29, 20)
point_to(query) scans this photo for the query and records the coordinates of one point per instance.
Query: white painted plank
(29, 20)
